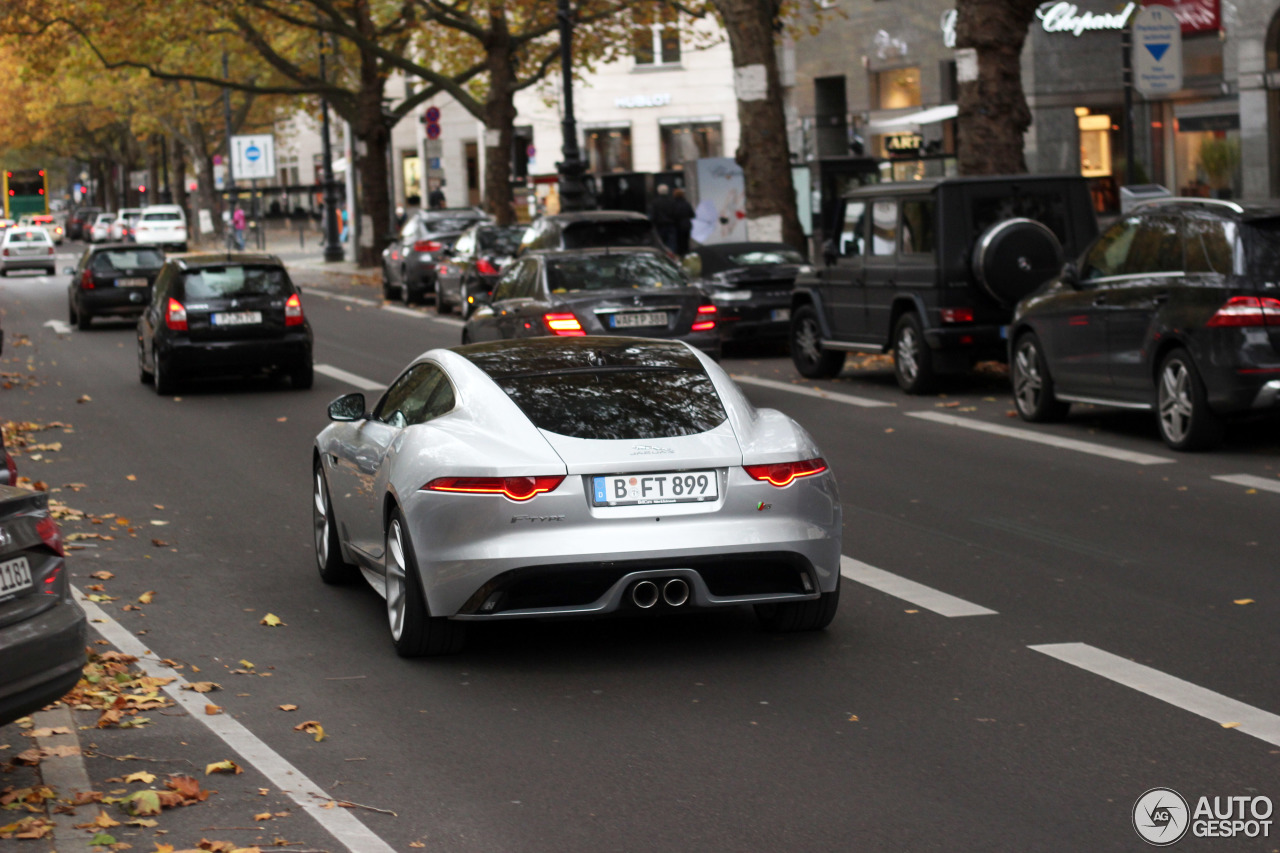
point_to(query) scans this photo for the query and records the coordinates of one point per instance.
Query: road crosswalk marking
(908, 590)
(1043, 438)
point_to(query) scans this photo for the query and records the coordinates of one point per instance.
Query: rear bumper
(752, 321)
(41, 262)
(979, 343)
(117, 301)
(228, 356)
(40, 659)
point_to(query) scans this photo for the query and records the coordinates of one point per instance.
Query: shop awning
(913, 121)
(1219, 114)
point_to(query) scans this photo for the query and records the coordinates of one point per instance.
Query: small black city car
(220, 314)
(474, 263)
(112, 280)
(1174, 309)
(750, 284)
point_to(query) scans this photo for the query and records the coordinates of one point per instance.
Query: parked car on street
(111, 280)
(220, 314)
(410, 264)
(523, 479)
(637, 291)
(9, 470)
(473, 264)
(1174, 309)
(79, 220)
(750, 284)
(591, 229)
(163, 225)
(45, 221)
(123, 225)
(99, 231)
(42, 628)
(27, 249)
(930, 270)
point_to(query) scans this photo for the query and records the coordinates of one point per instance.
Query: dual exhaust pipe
(645, 594)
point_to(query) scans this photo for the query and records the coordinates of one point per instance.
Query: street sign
(1157, 52)
(253, 157)
(433, 115)
(433, 131)
(435, 148)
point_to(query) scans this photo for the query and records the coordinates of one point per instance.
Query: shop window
(693, 141)
(898, 88)
(609, 149)
(655, 38)
(1095, 145)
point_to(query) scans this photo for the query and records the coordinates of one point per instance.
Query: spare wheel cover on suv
(1014, 257)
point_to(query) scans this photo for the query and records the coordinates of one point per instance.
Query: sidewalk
(302, 254)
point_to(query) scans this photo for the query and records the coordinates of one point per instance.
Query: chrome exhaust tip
(675, 592)
(644, 594)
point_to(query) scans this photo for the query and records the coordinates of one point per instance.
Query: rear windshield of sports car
(591, 235)
(618, 402)
(218, 282)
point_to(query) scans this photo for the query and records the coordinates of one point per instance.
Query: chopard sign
(1064, 17)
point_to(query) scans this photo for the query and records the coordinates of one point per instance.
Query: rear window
(28, 237)
(217, 282)
(504, 240)
(607, 272)
(1046, 207)
(448, 223)
(763, 257)
(591, 235)
(161, 217)
(125, 259)
(1261, 244)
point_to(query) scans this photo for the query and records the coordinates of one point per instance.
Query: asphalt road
(1107, 651)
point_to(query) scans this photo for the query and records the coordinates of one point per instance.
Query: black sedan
(222, 314)
(42, 629)
(409, 264)
(474, 263)
(750, 284)
(633, 291)
(112, 280)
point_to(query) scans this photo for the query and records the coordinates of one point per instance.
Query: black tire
(333, 569)
(166, 380)
(144, 376)
(1033, 384)
(807, 354)
(795, 616)
(83, 319)
(302, 377)
(442, 307)
(407, 294)
(71, 312)
(388, 292)
(1182, 406)
(418, 633)
(912, 358)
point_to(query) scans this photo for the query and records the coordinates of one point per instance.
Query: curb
(68, 776)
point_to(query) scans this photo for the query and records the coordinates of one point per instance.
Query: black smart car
(1174, 309)
(222, 314)
(750, 284)
(112, 280)
(473, 265)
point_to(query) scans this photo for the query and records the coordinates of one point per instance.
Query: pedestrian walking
(662, 214)
(237, 226)
(684, 215)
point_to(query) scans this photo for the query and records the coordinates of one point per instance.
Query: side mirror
(348, 407)
(829, 254)
(1070, 276)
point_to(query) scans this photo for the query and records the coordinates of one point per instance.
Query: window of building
(690, 141)
(897, 88)
(609, 149)
(655, 40)
(1095, 145)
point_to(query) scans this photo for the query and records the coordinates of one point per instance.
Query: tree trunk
(499, 117)
(993, 114)
(369, 127)
(178, 176)
(763, 151)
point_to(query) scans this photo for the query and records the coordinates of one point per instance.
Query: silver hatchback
(27, 249)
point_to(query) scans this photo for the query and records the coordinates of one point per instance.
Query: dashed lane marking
(849, 399)
(1041, 438)
(408, 312)
(1223, 710)
(309, 796)
(1252, 482)
(342, 297)
(349, 378)
(908, 590)
(59, 327)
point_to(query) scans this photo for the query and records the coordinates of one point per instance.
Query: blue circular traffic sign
(433, 131)
(433, 114)
(252, 153)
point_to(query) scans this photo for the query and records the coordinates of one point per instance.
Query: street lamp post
(230, 180)
(573, 189)
(332, 248)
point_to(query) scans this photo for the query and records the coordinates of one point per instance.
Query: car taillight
(50, 250)
(1247, 311)
(175, 316)
(957, 315)
(513, 488)
(11, 467)
(485, 268)
(564, 325)
(86, 280)
(427, 246)
(784, 473)
(706, 319)
(293, 311)
(6, 253)
(51, 535)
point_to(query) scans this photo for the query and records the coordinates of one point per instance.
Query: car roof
(596, 216)
(1269, 209)
(225, 259)
(530, 356)
(593, 251)
(927, 185)
(118, 245)
(739, 248)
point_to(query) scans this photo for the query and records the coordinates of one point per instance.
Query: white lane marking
(340, 823)
(58, 327)
(1269, 485)
(1182, 694)
(865, 402)
(450, 321)
(408, 312)
(1042, 438)
(342, 297)
(908, 590)
(350, 378)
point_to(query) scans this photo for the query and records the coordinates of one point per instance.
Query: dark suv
(931, 270)
(1175, 309)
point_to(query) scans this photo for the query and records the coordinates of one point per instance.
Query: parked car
(45, 221)
(6, 224)
(930, 270)
(512, 479)
(1174, 309)
(163, 225)
(225, 313)
(100, 229)
(122, 226)
(750, 284)
(410, 263)
(9, 473)
(596, 292)
(79, 220)
(42, 628)
(113, 279)
(473, 264)
(591, 229)
(27, 249)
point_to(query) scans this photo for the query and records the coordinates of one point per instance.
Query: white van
(162, 225)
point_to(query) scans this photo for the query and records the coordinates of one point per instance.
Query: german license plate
(236, 318)
(780, 314)
(638, 320)
(642, 489)
(131, 282)
(15, 576)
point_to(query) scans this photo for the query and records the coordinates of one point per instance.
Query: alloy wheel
(320, 520)
(907, 353)
(1028, 384)
(806, 340)
(1176, 407)
(395, 579)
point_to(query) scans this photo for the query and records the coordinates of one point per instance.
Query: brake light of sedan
(175, 316)
(513, 488)
(484, 267)
(293, 311)
(706, 319)
(564, 325)
(86, 280)
(1247, 311)
(428, 246)
(783, 474)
